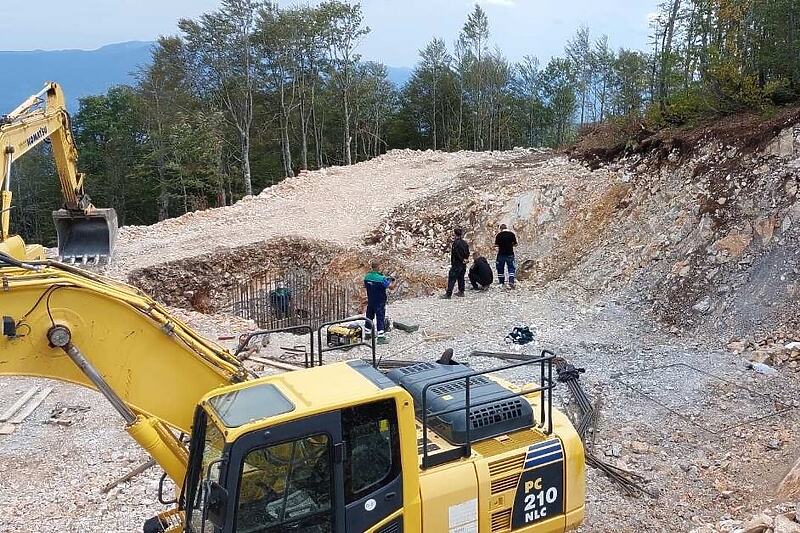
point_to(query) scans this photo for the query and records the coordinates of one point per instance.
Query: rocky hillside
(699, 226)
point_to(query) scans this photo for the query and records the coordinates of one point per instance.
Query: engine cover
(496, 416)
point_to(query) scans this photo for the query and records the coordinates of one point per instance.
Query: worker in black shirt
(459, 254)
(505, 242)
(480, 273)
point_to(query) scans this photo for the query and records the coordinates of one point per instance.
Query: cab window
(373, 448)
(287, 487)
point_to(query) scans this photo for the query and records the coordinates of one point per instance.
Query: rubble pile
(777, 520)
(534, 194)
(777, 350)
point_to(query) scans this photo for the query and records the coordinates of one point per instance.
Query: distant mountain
(86, 72)
(80, 72)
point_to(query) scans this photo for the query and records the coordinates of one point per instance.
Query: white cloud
(504, 3)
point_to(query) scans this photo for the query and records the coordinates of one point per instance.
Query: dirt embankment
(720, 202)
(698, 226)
(204, 283)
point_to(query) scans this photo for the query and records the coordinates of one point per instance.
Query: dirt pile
(475, 200)
(338, 205)
(728, 244)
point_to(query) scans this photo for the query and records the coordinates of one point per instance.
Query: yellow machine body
(475, 493)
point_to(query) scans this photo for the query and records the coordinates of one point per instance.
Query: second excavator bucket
(86, 239)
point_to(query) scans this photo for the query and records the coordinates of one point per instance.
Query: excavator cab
(287, 453)
(86, 238)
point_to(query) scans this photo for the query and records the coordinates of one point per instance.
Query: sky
(400, 28)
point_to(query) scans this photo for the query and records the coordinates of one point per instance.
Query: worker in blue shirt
(376, 285)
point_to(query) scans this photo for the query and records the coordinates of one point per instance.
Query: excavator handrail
(546, 386)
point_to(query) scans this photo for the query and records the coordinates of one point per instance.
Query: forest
(251, 94)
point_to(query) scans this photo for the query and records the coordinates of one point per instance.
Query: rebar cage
(288, 299)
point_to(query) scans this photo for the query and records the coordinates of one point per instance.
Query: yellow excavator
(86, 234)
(431, 447)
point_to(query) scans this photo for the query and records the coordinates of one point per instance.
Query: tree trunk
(460, 113)
(356, 119)
(221, 200)
(163, 196)
(303, 132)
(315, 127)
(348, 160)
(434, 109)
(666, 50)
(287, 152)
(304, 146)
(245, 151)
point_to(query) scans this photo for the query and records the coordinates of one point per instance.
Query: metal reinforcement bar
(289, 299)
(630, 482)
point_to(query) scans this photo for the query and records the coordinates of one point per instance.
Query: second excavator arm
(66, 324)
(83, 229)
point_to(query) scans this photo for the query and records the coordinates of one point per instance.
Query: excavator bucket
(86, 239)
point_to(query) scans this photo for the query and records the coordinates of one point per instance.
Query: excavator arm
(85, 232)
(62, 323)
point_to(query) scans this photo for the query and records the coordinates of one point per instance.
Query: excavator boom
(86, 234)
(66, 324)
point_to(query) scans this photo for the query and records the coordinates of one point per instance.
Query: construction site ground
(711, 436)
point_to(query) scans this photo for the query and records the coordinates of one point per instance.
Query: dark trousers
(504, 261)
(476, 282)
(456, 275)
(377, 312)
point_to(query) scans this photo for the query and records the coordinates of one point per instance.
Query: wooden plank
(130, 475)
(31, 406)
(19, 403)
(273, 363)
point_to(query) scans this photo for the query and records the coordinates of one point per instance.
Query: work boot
(460, 294)
(444, 297)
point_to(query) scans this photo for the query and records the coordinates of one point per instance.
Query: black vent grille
(501, 521)
(458, 386)
(488, 415)
(394, 527)
(416, 369)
